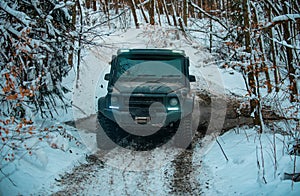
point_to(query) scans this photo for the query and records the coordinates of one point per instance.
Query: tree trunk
(289, 55)
(247, 25)
(251, 70)
(174, 14)
(133, 10)
(166, 11)
(79, 42)
(185, 12)
(263, 59)
(158, 12)
(210, 35)
(152, 12)
(247, 43)
(258, 120)
(71, 55)
(143, 12)
(88, 4)
(107, 11)
(94, 5)
(273, 53)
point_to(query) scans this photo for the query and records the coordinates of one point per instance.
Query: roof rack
(155, 51)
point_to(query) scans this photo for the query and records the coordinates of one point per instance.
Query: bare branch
(208, 15)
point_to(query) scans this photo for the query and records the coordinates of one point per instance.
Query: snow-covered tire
(184, 135)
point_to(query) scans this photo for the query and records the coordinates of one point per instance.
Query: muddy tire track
(74, 182)
(183, 181)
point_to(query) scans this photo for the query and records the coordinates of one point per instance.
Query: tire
(110, 135)
(104, 126)
(184, 135)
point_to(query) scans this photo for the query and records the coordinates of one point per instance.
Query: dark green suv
(149, 102)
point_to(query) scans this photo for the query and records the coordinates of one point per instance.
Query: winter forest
(42, 42)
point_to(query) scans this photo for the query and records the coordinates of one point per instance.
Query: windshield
(151, 68)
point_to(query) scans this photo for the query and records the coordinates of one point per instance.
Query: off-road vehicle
(148, 102)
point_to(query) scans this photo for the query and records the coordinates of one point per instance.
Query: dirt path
(74, 183)
(98, 176)
(183, 181)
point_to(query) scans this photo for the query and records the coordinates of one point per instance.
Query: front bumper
(160, 119)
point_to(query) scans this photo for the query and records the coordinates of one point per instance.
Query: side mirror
(192, 78)
(107, 76)
(113, 59)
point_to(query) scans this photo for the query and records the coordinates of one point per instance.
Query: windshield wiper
(139, 77)
(172, 76)
(146, 75)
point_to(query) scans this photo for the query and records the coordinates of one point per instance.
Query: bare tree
(185, 12)
(166, 11)
(289, 53)
(152, 12)
(141, 6)
(133, 11)
(260, 41)
(174, 14)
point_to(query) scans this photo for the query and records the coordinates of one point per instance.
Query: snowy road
(97, 178)
(114, 176)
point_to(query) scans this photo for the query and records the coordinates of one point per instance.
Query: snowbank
(255, 166)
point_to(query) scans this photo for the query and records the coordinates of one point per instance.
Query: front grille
(139, 105)
(144, 101)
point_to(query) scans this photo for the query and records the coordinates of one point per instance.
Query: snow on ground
(27, 173)
(206, 165)
(116, 180)
(252, 167)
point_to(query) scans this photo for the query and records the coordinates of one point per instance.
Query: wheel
(104, 126)
(110, 135)
(184, 135)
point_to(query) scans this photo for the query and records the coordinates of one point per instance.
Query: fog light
(173, 108)
(114, 107)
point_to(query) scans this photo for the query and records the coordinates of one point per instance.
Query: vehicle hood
(149, 87)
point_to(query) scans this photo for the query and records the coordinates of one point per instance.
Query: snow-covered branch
(281, 19)
(286, 17)
(20, 16)
(284, 43)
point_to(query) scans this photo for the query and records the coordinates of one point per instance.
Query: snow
(129, 183)
(22, 17)
(285, 17)
(124, 172)
(241, 174)
(284, 43)
(29, 172)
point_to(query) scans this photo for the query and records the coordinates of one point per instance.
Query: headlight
(173, 102)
